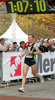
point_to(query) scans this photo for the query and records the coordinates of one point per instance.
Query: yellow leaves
(43, 19)
(41, 22)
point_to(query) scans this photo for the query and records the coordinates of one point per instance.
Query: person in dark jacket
(21, 48)
(51, 46)
(44, 48)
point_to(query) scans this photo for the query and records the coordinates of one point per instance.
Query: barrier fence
(1, 69)
(12, 65)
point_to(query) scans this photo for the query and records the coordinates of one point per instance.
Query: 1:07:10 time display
(40, 6)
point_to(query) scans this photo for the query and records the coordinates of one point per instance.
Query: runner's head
(31, 38)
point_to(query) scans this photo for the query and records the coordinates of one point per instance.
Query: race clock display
(26, 6)
(29, 6)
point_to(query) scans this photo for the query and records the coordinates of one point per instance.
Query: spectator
(44, 48)
(41, 42)
(14, 46)
(21, 46)
(37, 41)
(51, 46)
(51, 43)
(2, 47)
(46, 45)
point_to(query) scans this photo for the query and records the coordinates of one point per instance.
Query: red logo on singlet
(15, 66)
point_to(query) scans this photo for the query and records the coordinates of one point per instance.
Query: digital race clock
(30, 6)
(26, 6)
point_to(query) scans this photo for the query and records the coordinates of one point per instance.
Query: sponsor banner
(46, 63)
(13, 65)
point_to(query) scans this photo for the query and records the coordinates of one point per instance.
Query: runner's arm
(38, 51)
(24, 52)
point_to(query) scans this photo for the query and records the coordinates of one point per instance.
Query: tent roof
(20, 35)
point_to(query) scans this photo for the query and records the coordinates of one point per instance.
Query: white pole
(27, 24)
(14, 27)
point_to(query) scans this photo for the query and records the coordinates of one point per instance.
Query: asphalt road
(34, 90)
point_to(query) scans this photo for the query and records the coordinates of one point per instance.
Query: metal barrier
(1, 69)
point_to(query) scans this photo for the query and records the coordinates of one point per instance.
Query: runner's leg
(25, 70)
(34, 71)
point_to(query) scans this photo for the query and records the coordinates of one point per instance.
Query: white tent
(20, 35)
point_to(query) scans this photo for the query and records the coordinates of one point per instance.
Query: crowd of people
(14, 47)
(41, 44)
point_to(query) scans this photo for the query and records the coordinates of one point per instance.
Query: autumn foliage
(41, 25)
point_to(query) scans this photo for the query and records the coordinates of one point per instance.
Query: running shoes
(41, 79)
(21, 90)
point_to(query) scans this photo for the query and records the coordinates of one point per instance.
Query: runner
(30, 60)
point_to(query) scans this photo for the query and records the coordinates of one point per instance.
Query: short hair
(2, 39)
(31, 35)
(50, 40)
(22, 42)
(14, 42)
(47, 40)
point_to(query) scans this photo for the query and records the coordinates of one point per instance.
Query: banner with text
(13, 65)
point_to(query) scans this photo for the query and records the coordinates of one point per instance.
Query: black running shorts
(29, 61)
